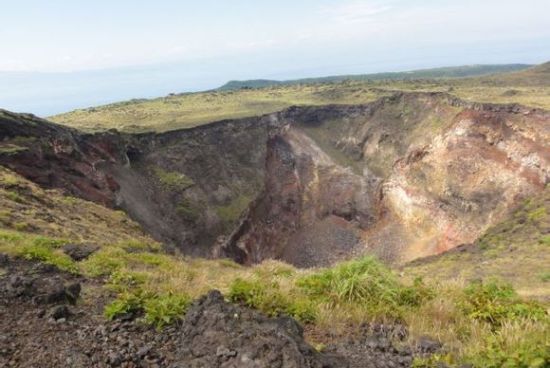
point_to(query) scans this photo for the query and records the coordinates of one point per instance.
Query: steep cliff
(403, 177)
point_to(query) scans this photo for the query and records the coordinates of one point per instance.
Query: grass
(172, 180)
(233, 210)
(485, 323)
(472, 320)
(36, 247)
(11, 149)
(192, 109)
(25, 206)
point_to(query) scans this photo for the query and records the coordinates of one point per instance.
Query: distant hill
(538, 75)
(434, 73)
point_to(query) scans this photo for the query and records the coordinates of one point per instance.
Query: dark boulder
(79, 252)
(218, 334)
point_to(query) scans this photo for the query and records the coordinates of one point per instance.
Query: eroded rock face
(406, 176)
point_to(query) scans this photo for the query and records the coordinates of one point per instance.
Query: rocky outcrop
(406, 176)
(213, 332)
(218, 334)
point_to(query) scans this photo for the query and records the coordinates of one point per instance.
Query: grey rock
(79, 252)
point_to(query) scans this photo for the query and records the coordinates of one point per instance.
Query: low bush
(495, 302)
(126, 303)
(517, 344)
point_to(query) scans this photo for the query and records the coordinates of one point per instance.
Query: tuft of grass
(268, 298)
(165, 309)
(157, 310)
(365, 282)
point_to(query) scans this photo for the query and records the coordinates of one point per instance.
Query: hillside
(409, 230)
(128, 276)
(386, 177)
(434, 73)
(193, 109)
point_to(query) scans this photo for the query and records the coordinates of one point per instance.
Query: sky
(59, 55)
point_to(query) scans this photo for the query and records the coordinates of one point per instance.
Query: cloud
(356, 11)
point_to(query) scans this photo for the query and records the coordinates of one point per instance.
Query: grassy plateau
(530, 87)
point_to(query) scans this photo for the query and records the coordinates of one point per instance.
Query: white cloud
(356, 11)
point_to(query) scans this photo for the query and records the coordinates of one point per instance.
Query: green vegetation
(445, 72)
(188, 210)
(496, 303)
(172, 180)
(483, 323)
(269, 299)
(233, 210)
(367, 283)
(35, 247)
(11, 149)
(531, 87)
(158, 310)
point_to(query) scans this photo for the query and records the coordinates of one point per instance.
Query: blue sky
(60, 54)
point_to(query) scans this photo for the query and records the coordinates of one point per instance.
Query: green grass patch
(14, 196)
(158, 310)
(496, 302)
(268, 298)
(365, 282)
(172, 180)
(188, 210)
(38, 248)
(233, 210)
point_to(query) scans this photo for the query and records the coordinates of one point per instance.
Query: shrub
(518, 344)
(187, 210)
(163, 310)
(495, 302)
(303, 310)
(14, 196)
(415, 295)
(126, 303)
